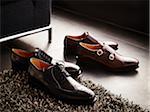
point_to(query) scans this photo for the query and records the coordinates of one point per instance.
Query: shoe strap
(111, 56)
(42, 55)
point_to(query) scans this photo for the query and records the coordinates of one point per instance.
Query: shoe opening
(40, 64)
(91, 47)
(22, 53)
(78, 38)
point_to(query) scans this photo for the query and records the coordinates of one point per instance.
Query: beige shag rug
(18, 95)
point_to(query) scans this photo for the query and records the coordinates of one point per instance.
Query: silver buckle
(100, 52)
(111, 57)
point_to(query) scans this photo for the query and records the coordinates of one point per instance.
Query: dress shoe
(20, 60)
(60, 83)
(105, 55)
(71, 42)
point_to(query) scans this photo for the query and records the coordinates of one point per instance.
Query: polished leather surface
(80, 45)
(73, 69)
(60, 83)
(20, 59)
(72, 42)
(106, 56)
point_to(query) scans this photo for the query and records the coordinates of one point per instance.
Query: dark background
(129, 14)
(18, 16)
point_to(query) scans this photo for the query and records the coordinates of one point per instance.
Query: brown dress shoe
(59, 82)
(20, 61)
(105, 55)
(71, 42)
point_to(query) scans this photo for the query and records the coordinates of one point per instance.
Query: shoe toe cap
(87, 96)
(86, 93)
(130, 61)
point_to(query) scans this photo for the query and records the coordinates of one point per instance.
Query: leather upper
(23, 56)
(106, 56)
(59, 81)
(73, 41)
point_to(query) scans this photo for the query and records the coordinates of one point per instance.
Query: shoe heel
(69, 49)
(14, 66)
(18, 64)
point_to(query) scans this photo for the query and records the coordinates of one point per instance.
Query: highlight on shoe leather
(22, 53)
(91, 47)
(84, 37)
(77, 38)
(59, 82)
(39, 64)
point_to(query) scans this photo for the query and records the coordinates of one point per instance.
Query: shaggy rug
(18, 95)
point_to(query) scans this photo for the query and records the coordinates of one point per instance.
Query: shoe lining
(22, 53)
(91, 47)
(77, 38)
(40, 64)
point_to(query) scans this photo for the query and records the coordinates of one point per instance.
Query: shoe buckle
(99, 52)
(111, 57)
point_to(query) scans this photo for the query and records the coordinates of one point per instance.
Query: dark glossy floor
(132, 85)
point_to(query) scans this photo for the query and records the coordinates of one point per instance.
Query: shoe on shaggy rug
(17, 95)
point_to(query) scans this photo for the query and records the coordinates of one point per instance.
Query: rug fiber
(17, 95)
